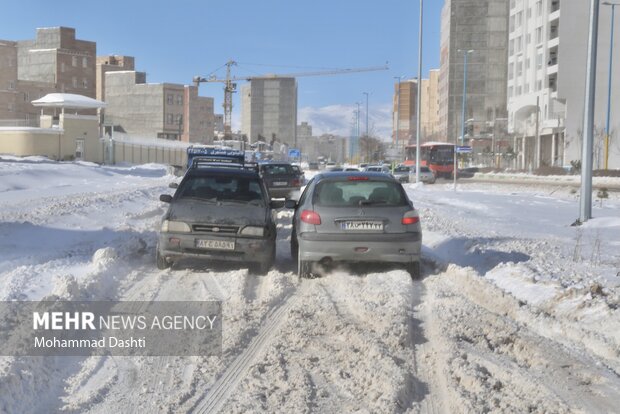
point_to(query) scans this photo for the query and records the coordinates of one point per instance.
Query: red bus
(437, 156)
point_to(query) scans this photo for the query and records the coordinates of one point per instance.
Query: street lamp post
(397, 135)
(419, 102)
(585, 199)
(611, 57)
(367, 140)
(466, 52)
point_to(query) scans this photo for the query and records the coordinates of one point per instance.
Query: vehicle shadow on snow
(476, 253)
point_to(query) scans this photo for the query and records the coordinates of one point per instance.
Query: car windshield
(222, 188)
(359, 192)
(401, 169)
(277, 169)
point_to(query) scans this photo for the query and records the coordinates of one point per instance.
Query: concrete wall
(58, 143)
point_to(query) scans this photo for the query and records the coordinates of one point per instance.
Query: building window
(170, 119)
(26, 96)
(518, 44)
(511, 71)
(84, 62)
(74, 82)
(528, 39)
(511, 47)
(62, 67)
(539, 35)
(539, 8)
(512, 23)
(85, 83)
(539, 85)
(539, 58)
(179, 99)
(73, 60)
(179, 120)
(170, 98)
(11, 85)
(527, 64)
(519, 68)
(518, 90)
(510, 92)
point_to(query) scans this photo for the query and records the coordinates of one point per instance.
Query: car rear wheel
(414, 270)
(162, 263)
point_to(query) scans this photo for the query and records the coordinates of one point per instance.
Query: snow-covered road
(516, 312)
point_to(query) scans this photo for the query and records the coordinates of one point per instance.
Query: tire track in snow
(228, 381)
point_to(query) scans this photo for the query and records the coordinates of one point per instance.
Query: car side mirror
(173, 185)
(166, 198)
(276, 204)
(290, 203)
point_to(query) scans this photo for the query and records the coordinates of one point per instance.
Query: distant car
(281, 178)
(313, 166)
(222, 213)
(354, 217)
(335, 169)
(401, 173)
(426, 175)
(351, 169)
(378, 168)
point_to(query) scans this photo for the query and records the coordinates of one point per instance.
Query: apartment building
(480, 27)
(110, 63)
(404, 112)
(269, 109)
(429, 111)
(55, 61)
(55, 56)
(546, 82)
(157, 110)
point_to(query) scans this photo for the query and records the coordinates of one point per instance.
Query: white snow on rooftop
(68, 100)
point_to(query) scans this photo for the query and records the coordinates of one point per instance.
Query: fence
(116, 152)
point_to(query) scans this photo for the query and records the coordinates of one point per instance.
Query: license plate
(361, 225)
(280, 183)
(215, 244)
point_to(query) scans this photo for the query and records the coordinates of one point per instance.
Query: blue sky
(174, 41)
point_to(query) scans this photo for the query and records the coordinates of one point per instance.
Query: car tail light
(310, 217)
(357, 178)
(410, 217)
(296, 182)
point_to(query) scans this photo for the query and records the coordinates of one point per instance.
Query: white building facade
(546, 81)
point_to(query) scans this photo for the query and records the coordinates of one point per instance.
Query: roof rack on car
(216, 157)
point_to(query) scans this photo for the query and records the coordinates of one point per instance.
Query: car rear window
(221, 188)
(359, 192)
(277, 169)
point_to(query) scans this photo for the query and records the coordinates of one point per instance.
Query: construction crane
(230, 85)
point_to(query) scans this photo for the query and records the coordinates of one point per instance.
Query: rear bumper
(283, 192)
(393, 248)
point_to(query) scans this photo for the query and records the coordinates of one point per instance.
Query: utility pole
(367, 137)
(611, 59)
(465, 53)
(537, 158)
(419, 102)
(397, 135)
(585, 212)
